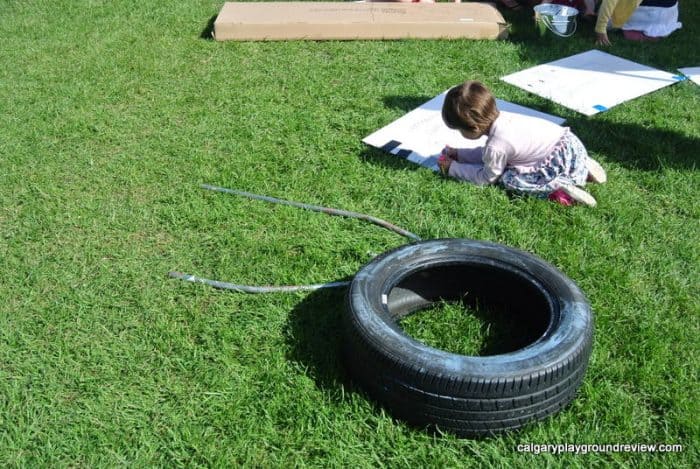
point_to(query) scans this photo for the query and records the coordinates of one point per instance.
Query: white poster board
(693, 73)
(420, 135)
(591, 82)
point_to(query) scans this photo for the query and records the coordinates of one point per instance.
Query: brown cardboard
(253, 21)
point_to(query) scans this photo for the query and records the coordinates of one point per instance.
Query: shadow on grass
(314, 335)
(208, 31)
(387, 160)
(637, 147)
(405, 103)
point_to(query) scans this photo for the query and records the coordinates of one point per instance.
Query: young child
(613, 13)
(526, 155)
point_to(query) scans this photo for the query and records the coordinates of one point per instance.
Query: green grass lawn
(113, 113)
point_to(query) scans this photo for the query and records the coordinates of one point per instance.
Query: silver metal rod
(255, 289)
(318, 208)
(288, 288)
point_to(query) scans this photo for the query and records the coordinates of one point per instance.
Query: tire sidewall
(569, 331)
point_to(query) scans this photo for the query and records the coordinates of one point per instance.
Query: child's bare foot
(638, 36)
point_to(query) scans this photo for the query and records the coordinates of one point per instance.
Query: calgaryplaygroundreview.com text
(562, 448)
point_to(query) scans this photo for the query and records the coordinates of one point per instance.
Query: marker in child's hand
(444, 168)
(448, 152)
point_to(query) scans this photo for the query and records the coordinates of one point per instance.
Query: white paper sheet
(591, 82)
(693, 73)
(420, 135)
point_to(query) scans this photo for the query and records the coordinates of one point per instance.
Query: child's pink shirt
(514, 141)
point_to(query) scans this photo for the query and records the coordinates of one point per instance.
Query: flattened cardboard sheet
(420, 135)
(255, 21)
(693, 73)
(591, 82)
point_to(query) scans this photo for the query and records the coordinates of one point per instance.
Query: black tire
(467, 395)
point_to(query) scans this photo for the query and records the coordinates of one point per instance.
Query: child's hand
(602, 39)
(444, 163)
(449, 153)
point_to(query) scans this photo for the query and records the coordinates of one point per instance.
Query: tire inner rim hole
(471, 309)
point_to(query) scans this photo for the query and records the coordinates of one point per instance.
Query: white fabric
(654, 21)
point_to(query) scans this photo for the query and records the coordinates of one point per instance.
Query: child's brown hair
(470, 107)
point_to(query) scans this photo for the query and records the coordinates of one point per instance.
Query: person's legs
(574, 169)
(560, 190)
(589, 8)
(510, 4)
(632, 35)
(562, 172)
(573, 158)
